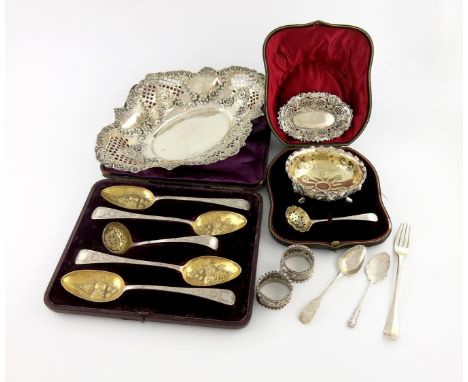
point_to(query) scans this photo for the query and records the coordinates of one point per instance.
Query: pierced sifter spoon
(117, 239)
(300, 220)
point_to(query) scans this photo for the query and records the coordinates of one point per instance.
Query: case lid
(318, 57)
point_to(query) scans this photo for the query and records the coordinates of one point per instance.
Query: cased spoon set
(201, 271)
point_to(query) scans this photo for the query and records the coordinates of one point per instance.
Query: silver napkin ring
(298, 250)
(272, 277)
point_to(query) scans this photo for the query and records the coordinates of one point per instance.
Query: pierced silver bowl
(180, 118)
(315, 117)
(325, 173)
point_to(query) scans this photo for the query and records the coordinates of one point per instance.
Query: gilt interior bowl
(315, 117)
(325, 173)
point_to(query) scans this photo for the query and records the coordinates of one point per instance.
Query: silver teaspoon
(376, 270)
(349, 263)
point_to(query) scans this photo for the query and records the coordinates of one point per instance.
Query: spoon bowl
(130, 197)
(218, 223)
(117, 238)
(96, 286)
(210, 270)
(298, 219)
(377, 267)
(351, 261)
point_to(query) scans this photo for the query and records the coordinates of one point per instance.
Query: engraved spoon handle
(352, 321)
(223, 296)
(370, 217)
(87, 256)
(308, 312)
(241, 204)
(111, 213)
(206, 240)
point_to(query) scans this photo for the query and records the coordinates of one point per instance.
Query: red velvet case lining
(319, 57)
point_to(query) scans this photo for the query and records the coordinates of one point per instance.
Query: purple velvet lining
(240, 246)
(246, 169)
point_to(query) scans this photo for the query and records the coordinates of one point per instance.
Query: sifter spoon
(117, 239)
(300, 220)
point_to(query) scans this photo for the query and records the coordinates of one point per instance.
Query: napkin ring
(298, 250)
(273, 277)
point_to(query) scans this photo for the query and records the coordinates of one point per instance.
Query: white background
(71, 62)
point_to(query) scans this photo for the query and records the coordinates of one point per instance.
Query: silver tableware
(140, 198)
(376, 270)
(315, 117)
(401, 248)
(325, 173)
(199, 271)
(182, 118)
(102, 286)
(212, 223)
(117, 239)
(349, 263)
(298, 251)
(273, 277)
(299, 219)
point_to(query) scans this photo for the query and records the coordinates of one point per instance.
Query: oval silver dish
(325, 173)
(315, 117)
(182, 118)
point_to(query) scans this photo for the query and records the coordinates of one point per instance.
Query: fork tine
(407, 236)
(398, 236)
(403, 236)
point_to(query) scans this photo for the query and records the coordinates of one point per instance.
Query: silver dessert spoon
(349, 263)
(376, 270)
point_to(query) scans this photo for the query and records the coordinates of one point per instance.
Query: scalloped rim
(285, 118)
(325, 195)
(230, 145)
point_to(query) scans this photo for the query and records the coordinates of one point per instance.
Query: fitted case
(336, 59)
(235, 177)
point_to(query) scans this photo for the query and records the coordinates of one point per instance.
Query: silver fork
(401, 248)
